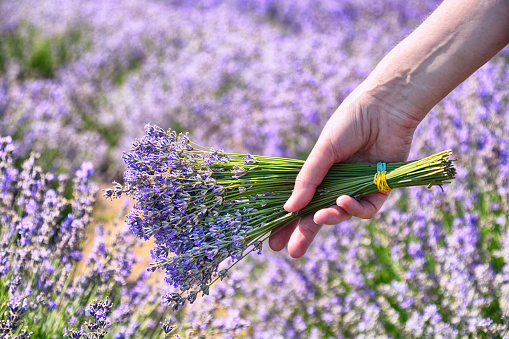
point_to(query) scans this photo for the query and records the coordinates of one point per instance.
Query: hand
(365, 128)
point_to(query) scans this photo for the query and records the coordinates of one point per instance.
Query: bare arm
(377, 120)
(456, 40)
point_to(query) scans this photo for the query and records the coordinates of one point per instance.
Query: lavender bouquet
(203, 206)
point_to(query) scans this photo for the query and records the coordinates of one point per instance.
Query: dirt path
(106, 212)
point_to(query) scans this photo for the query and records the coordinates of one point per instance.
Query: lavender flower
(166, 327)
(97, 327)
(10, 328)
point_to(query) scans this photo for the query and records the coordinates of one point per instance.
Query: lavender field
(80, 79)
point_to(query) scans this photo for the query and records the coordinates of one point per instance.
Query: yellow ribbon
(380, 180)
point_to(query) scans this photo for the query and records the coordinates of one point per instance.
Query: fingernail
(287, 203)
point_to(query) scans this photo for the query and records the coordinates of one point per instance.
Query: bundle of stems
(203, 206)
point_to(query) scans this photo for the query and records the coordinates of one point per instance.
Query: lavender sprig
(97, 327)
(166, 327)
(203, 206)
(9, 328)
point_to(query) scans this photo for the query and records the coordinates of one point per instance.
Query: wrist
(395, 94)
(457, 39)
(413, 98)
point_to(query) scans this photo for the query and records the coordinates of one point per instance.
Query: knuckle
(309, 230)
(331, 150)
(369, 214)
(301, 179)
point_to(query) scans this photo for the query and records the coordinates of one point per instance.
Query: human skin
(376, 122)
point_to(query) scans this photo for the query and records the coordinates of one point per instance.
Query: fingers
(310, 176)
(348, 207)
(299, 234)
(339, 139)
(309, 226)
(364, 208)
(279, 239)
(302, 237)
(331, 216)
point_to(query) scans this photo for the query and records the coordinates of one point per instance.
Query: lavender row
(46, 280)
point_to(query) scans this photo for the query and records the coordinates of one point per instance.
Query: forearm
(457, 39)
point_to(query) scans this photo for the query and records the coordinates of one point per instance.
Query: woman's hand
(363, 129)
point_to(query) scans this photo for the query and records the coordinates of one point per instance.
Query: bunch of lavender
(204, 206)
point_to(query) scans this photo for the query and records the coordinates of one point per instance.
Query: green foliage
(41, 60)
(120, 72)
(38, 55)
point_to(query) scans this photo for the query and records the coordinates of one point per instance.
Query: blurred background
(80, 79)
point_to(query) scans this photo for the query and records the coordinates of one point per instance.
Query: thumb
(313, 171)
(341, 129)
